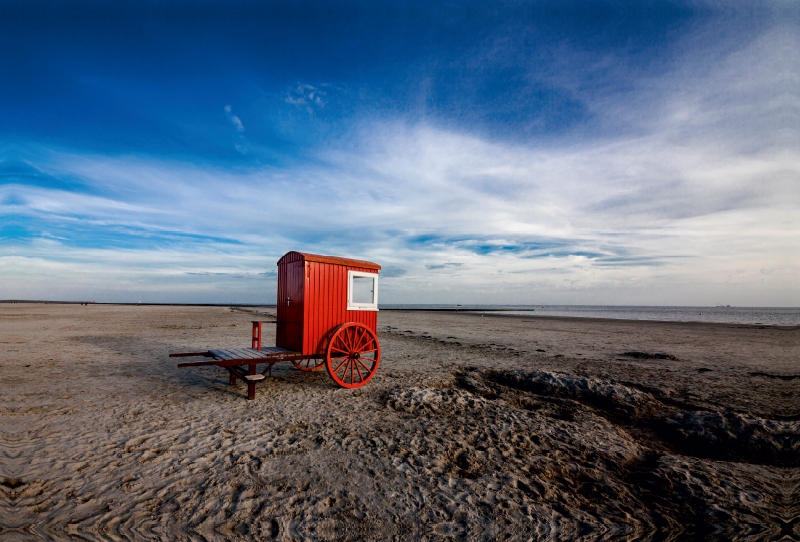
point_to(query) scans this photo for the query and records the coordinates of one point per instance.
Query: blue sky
(513, 152)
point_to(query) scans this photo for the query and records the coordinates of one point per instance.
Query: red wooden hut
(318, 293)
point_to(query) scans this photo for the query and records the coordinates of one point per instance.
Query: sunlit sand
(481, 427)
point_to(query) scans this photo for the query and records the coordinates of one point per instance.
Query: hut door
(294, 306)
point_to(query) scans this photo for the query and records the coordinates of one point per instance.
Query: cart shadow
(148, 360)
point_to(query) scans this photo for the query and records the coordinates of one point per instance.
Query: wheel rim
(310, 364)
(353, 355)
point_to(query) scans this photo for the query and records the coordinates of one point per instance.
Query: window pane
(363, 290)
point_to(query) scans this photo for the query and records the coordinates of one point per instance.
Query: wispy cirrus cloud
(446, 265)
(237, 123)
(307, 97)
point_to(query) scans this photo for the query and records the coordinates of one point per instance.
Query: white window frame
(362, 306)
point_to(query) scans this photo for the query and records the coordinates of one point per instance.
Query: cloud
(237, 123)
(431, 267)
(688, 204)
(307, 97)
(392, 272)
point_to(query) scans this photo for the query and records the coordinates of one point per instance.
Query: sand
(476, 427)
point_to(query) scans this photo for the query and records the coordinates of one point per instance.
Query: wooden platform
(238, 356)
(266, 352)
(243, 363)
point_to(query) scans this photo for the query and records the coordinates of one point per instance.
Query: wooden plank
(264, 353)
(247, 353)
(223, 354)
(271, 350)
(296, 356)
(219, 354)
(258, 354)
(232, 353)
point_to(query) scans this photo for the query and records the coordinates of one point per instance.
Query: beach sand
(477, 427)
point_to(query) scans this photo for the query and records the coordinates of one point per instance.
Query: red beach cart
(327, 316)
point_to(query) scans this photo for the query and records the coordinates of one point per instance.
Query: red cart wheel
(310, 364)
(353, 355)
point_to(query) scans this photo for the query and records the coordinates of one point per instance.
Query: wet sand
(477, 427)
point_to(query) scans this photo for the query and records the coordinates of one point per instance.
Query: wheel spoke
(355, 338)
(364, 340)
(364, 366)
(371, 345)
(349, 337)
(344, 367)
(360, 377)
(336, 370)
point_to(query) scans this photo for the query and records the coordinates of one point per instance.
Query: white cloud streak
(236, 121)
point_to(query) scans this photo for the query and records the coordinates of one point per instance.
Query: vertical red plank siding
(290, 282)
(308, 306)
(323, 306)
(327, 280)
(300, 284)
(316, 291)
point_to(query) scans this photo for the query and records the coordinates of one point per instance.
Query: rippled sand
(475, 427)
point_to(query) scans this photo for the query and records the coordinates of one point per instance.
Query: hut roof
(295, 256)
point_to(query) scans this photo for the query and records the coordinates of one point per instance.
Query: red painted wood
(336, 260)
(317, 286)
(256, 342)
(291, 305)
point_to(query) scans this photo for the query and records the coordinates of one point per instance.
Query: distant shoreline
(392, 306)
(32, 302)
(249, 305)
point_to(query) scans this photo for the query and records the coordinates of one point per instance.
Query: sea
(767, 316)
